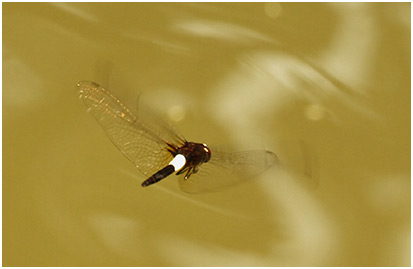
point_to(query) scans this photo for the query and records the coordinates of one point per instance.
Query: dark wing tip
(86, 83)
(85, 88)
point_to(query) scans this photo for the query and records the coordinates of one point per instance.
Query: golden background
(266, 75)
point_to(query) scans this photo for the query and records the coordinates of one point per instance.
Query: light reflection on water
(252, 75)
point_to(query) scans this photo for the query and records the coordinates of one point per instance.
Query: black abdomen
(161, 174)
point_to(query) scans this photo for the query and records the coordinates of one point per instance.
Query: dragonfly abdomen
(161, 174)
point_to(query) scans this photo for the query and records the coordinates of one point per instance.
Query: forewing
(226, 169)
(136, 139)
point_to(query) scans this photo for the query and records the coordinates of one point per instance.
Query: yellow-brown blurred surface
(333, 76)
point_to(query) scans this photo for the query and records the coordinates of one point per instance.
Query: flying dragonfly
(158, 151)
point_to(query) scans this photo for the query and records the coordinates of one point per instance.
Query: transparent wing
(226, 169)
(142, 142)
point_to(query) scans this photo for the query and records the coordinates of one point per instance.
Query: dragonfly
(158, 150)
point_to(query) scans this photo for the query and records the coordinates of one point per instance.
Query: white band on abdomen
(178, 162)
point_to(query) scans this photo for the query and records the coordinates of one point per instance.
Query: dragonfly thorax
(195, 153)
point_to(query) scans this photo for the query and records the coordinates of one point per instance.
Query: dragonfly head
(207, 152)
